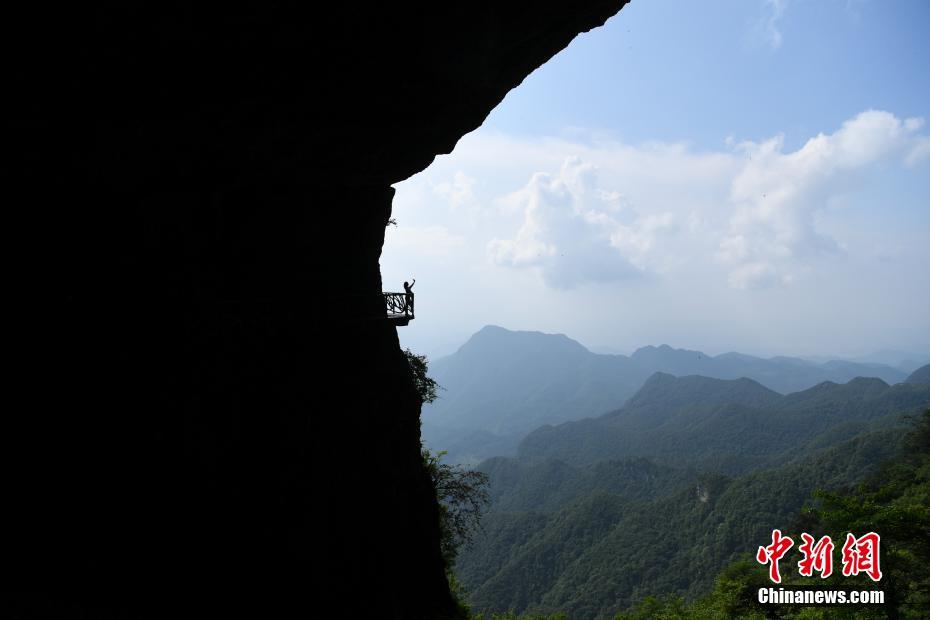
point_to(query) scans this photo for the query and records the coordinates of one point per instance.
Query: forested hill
(728, 426)
(660, 495)
(894, 501)
(605, 550)
(502, 384)
(921, 375)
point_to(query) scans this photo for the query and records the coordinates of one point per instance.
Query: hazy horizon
(902, 355)
(766, 192)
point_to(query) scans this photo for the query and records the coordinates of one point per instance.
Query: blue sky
(731, 175)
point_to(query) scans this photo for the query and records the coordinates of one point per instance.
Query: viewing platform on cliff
(398, 307)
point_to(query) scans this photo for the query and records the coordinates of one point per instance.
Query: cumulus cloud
(751, 216)
(778, 197)
(574, 231)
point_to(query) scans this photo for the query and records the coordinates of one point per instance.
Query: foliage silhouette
(426, 386)
(461, 493)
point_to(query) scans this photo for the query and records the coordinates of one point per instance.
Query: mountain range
(502, 384)
(729, 426)
(662, 493)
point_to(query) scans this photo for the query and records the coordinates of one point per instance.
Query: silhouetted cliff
(205, 410)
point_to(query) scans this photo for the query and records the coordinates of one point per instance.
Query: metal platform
(398, 308)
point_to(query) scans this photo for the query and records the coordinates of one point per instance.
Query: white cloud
(754, 215)
(673, 244)
(778, 197)
(574, 231)
(459, 192)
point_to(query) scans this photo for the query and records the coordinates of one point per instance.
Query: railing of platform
(396, 304)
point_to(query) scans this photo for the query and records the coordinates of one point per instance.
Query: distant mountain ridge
(921, 375)
(726, 425)
(502, 384)
(663, 392)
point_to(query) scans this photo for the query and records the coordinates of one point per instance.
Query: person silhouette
(408, 296)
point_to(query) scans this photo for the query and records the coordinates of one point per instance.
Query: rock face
(213, 414)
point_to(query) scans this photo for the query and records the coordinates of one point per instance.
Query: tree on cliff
(462, 493)
(426, 386)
